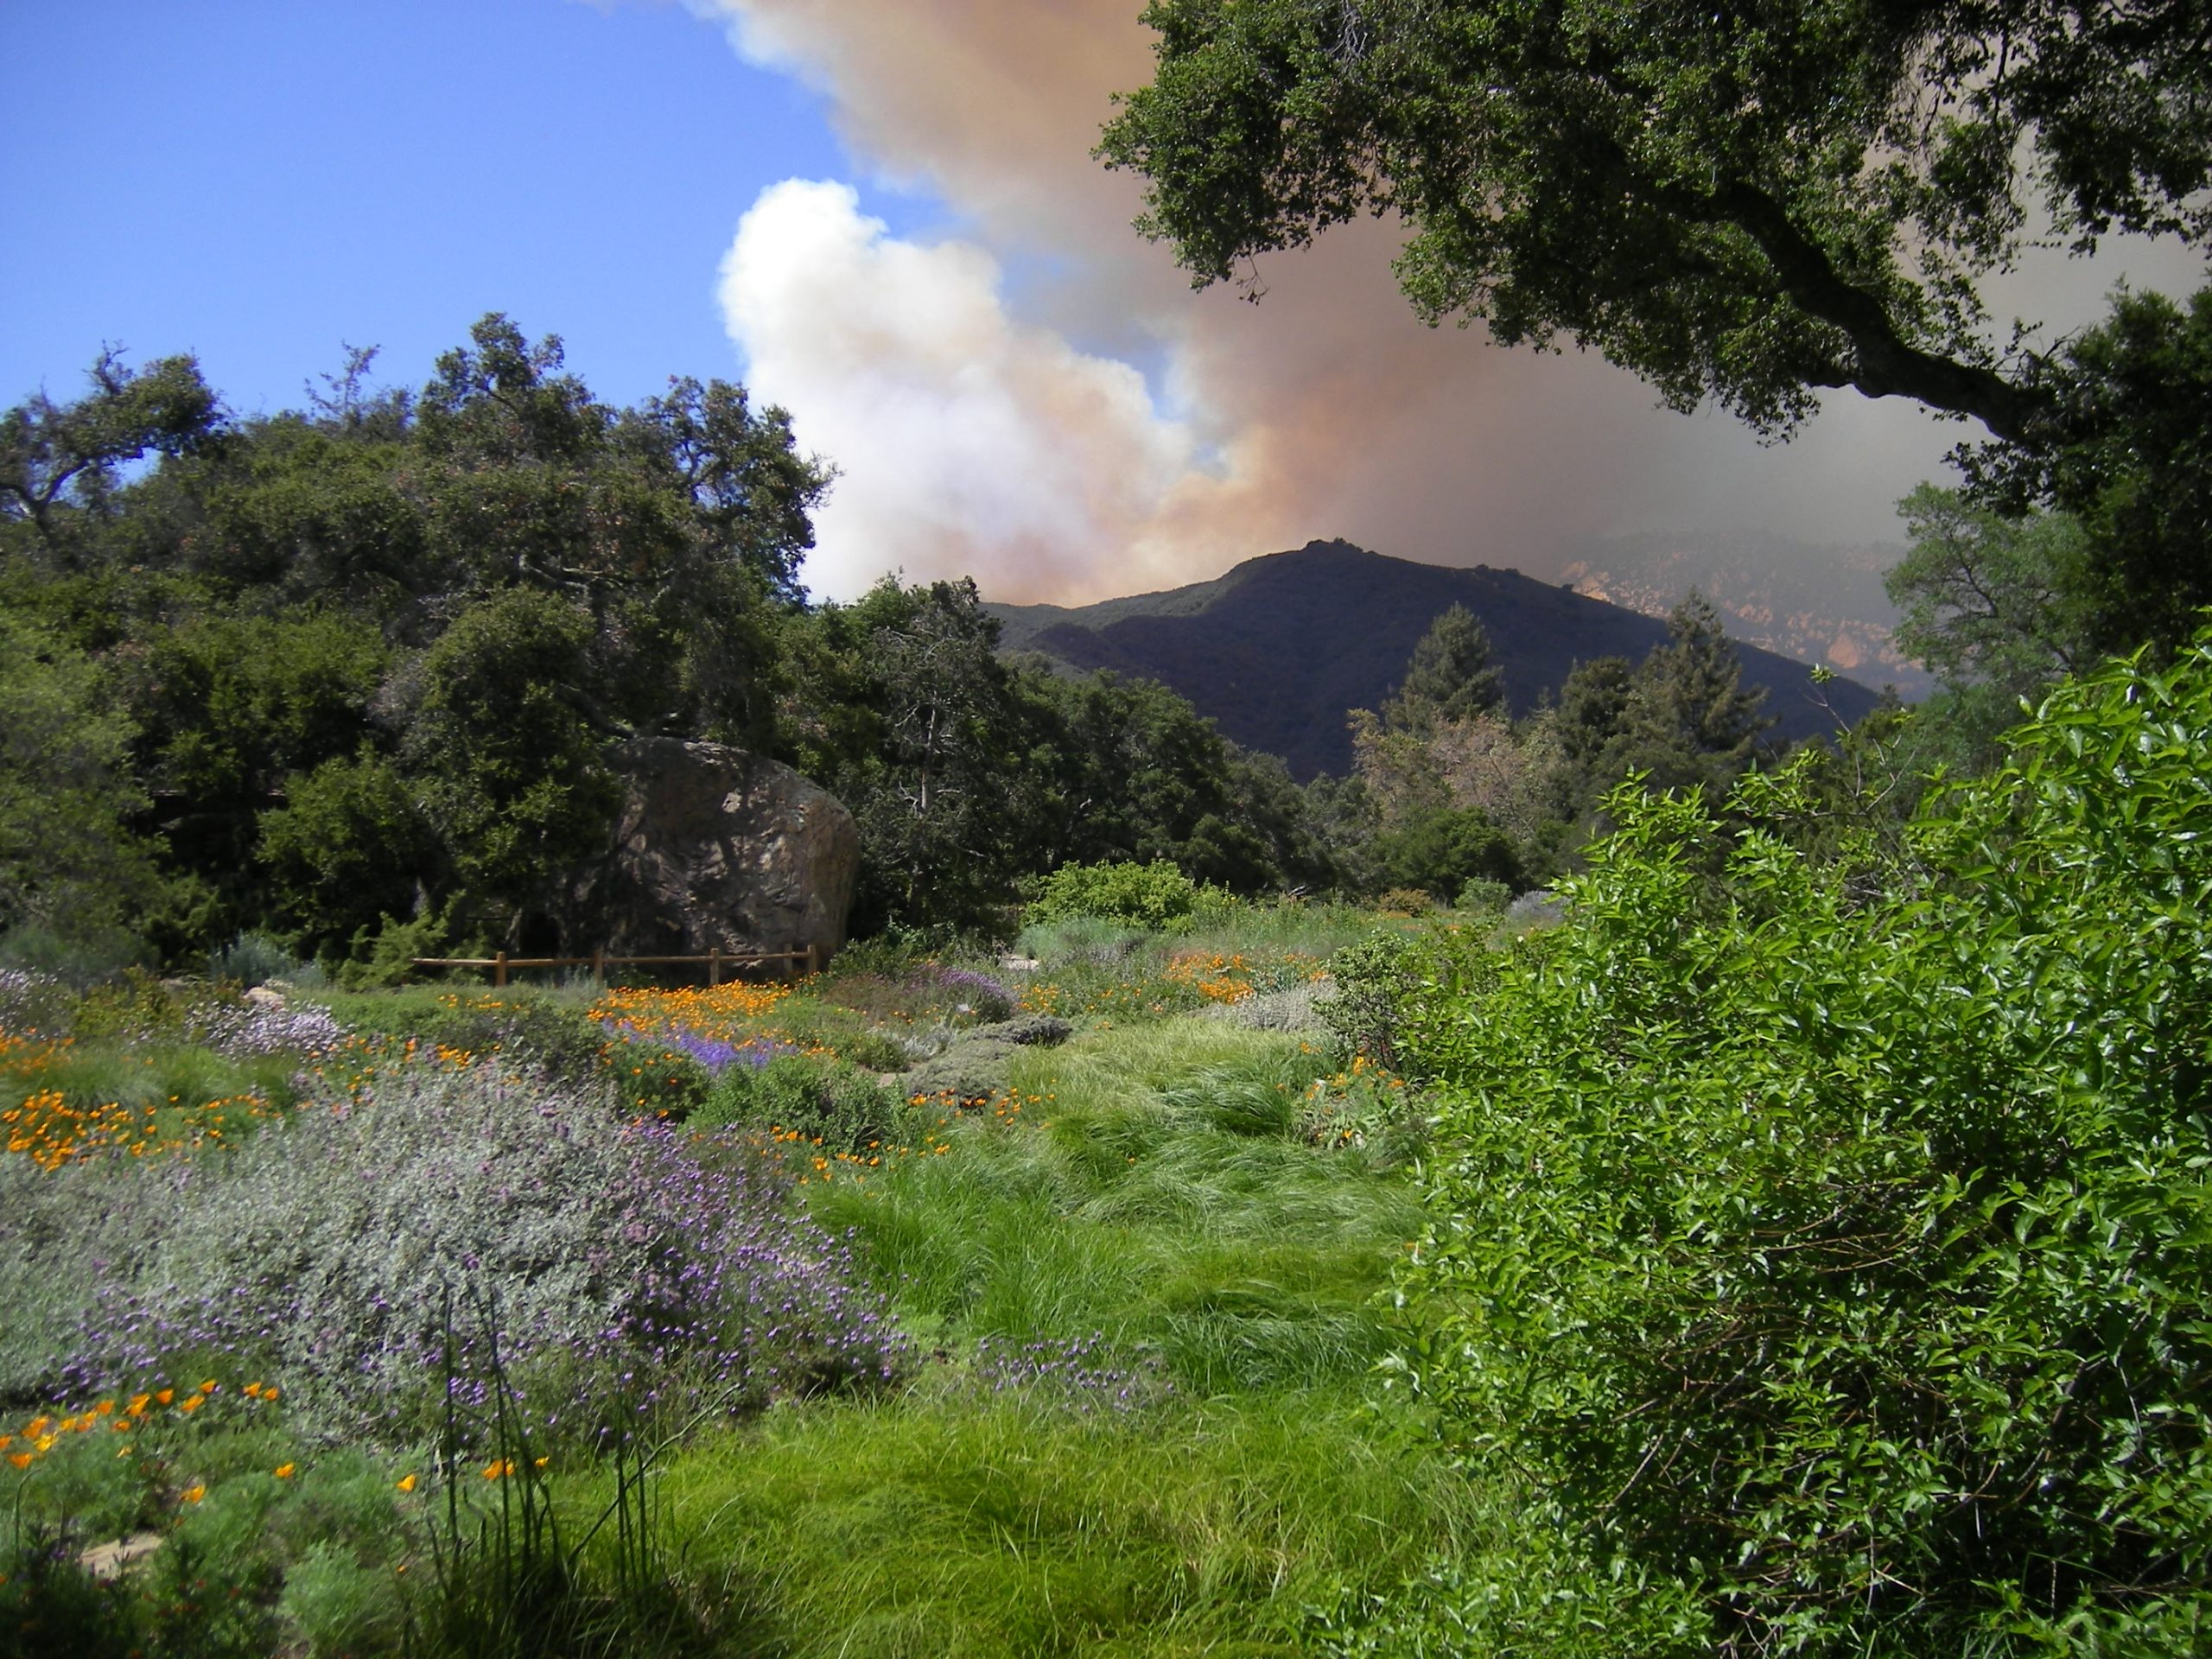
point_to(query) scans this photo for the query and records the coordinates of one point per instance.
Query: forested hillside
(1275, 650)
(354, 676)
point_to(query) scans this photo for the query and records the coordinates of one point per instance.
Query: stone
(718, 848)
(976, 1066)
(1028, 1030)
(108, 1562)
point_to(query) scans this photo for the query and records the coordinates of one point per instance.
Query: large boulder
(720, 849)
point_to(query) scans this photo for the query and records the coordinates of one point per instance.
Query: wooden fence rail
(805, 959)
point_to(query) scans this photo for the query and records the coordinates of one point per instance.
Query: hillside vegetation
(1792, 1239)
(356, 680)
(1275, 651)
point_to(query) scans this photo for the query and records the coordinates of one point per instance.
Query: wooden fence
(799, 959)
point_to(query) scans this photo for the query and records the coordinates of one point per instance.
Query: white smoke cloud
(971, 443)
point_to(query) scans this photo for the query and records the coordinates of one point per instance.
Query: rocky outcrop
(717, 849)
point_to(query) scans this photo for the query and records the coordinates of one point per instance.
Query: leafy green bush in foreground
(1837, 1264)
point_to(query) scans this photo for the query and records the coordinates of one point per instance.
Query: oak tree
(1741, 199)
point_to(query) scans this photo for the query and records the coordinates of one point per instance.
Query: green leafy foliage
(834, 1104)
(516, 780)
(1134, 773)
(1998, 608)
(374, 658)
(69, 859)
(1155, 895)
(1450, 676)
(2121, 447)
(59, 462)
(374, 666)
(1829, 1237)
(1440, 852)
(909, 716)
(1743, 201)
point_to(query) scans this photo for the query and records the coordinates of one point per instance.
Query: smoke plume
(983, 393)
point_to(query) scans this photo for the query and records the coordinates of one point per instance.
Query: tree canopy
(1450, 675)
(1744, 199)
(363, 668)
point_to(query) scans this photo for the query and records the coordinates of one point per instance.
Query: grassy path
(1207, 1465)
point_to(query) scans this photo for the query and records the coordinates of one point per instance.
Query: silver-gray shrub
(618, 1259)
(33, 1001)
(249, 1030)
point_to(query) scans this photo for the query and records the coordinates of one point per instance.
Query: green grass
(166, 1074)
(1151, 1189)
(1117, 1202)
(936, 1526)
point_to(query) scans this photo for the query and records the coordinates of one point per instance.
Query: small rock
(112, 1560)
(1028, 1030)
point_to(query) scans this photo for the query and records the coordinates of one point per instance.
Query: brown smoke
(1325, 409)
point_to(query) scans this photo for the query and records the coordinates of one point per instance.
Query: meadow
(926, 1307)
(1789, 1237)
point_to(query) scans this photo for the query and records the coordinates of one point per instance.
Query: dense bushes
(625, 1262)
(1153, 895)
(1829, 1240)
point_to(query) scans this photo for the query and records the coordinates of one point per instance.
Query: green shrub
(30, 1001)
(84, 955)
(837, 1101)
(137, 1006)
(1155, 895)
(1481, 894)
(1374, 981)
(252, 959)
(1091, 939)
(875, 1051)
(385, 958)
(550, 1032)
(1830, 1239)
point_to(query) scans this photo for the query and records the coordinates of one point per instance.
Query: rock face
(719, 849)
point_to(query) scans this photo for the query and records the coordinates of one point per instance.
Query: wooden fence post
(500, 971)
(715, 966)
(813, 959)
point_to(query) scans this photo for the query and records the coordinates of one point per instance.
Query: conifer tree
(1688, 718)
(1449, 677)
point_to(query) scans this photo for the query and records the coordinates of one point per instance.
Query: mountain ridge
(1277, 649)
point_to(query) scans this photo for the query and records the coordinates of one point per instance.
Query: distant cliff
(1276, 651)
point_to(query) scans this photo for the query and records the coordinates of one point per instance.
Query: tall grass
(931, 1528)
(1127, 1411)
(1157, 1196)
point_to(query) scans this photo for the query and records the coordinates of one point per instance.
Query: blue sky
(883, 215)
(254, 180)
